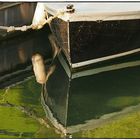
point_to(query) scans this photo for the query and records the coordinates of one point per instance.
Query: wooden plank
(4, 5)
(17, 14)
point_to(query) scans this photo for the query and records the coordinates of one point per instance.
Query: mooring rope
(32, 26)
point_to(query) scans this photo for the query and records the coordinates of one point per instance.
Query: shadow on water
(16, 53)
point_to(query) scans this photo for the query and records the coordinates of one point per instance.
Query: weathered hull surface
(96, 38)
(15, 14)
(85, 41)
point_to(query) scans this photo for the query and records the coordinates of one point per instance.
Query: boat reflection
(89, 97)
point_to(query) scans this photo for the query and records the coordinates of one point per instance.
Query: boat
(95, 31)
(86, 99)
(15, 14)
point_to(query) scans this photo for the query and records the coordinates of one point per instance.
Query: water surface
(21, 112)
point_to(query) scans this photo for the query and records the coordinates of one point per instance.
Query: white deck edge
(99, 16)
(103, 16)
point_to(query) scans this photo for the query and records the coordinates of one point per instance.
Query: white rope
(32, 26)
(12, 28)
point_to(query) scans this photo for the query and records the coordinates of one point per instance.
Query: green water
(20, 109)
(104, 93)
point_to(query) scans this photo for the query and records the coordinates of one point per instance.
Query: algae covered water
(21, 113)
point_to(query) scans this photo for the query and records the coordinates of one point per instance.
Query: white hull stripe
(106, 69)
(96, 70)
(88, 62)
